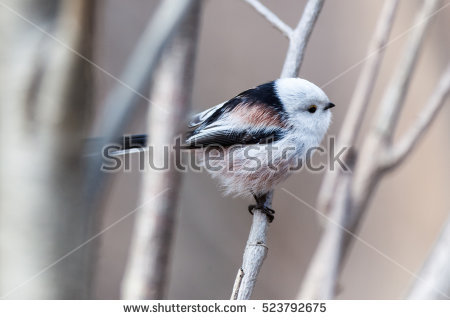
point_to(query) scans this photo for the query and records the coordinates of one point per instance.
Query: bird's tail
(123, 145)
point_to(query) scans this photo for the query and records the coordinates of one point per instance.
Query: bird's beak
(329, 106)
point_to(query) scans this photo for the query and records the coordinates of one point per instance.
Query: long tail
(123, 145)
(134, 141)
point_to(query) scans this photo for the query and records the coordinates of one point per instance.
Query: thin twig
(148, 266)
(434, 279)
(400, 150)
(299, 39)
(237, 284)
(271, 17)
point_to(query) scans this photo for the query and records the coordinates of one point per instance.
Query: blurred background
(237, 50)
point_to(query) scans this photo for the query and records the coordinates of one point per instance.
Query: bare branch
(256, 249)
(237, 284)
(392, 103)
(326, 264)
(299, 39)
(434, 279)
(271, 17)
(361, 97)
(368, 170)
(399, 151)
(121, 102)
(254, 254)
(147, 270)
(320, 279)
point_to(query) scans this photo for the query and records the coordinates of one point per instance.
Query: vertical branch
(369, 168)
(354, 117)
(256, 248)
(299, 39)
(147, 268)
(133, 84)
(393, 101)
(434, 279)
(47, 101)
(377, 142)
(253, 258)
(320, 278)
(254, 255)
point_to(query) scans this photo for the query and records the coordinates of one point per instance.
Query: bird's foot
(269, 212)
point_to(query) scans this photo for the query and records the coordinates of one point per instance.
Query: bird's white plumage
(250, 168)
(295, 93)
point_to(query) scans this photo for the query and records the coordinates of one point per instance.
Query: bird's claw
(269, 212)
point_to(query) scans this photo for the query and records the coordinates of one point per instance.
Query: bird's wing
(253, 116)
(226, 136)
(201, 117)
(263, 95)
(243, 123)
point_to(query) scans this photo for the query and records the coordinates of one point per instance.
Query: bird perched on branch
(251, 142)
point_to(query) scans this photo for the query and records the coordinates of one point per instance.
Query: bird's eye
(312, 109)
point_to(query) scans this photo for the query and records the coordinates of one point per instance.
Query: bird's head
(306, 105)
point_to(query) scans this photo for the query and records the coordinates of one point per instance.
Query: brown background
(239, 49)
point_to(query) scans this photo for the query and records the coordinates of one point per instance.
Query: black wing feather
(262, 94)
(226, 138)
(204, 122)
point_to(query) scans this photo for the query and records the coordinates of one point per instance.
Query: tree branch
(393, 101)
(320, 279)
(325, 266)
(368, 170)
(399, 151)
(256, 248)
(434, 279)
(147, 269)
(299, 39)
(254, 254)
(271, 17)
(360, 100)
(119, 105)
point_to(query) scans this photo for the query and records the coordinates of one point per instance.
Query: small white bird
(252, 141)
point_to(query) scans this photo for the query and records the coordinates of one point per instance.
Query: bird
(252, 142)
